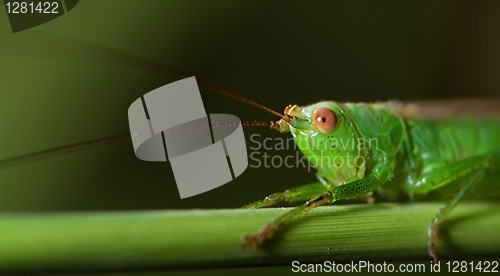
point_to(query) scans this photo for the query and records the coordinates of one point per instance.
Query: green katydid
(416, 150)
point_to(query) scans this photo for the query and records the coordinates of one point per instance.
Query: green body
(416, 146)
(369, 148)
(437, 143)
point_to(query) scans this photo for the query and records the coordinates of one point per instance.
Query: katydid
(413, 148)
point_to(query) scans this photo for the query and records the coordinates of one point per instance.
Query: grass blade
(213, 238)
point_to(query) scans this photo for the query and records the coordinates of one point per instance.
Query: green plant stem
(213, 238)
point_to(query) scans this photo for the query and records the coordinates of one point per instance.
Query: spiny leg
(253, 241)
(298, 194)
(434, 227)
(350, 190)
(471, 170)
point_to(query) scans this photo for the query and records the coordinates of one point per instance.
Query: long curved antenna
(153, 66)
(35, 156)
(30, 157)
(232, 94)
(149, 65)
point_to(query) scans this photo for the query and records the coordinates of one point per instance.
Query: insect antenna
(149, 65)
(34, 156)
(234, 95)
(121, 58)
(22, 159)
(270, 124)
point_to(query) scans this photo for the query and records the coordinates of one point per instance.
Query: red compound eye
(324, 119)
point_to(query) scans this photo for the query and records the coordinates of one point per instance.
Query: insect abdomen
(438, 142)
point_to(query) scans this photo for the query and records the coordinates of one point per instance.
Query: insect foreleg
(253, 241)
(349, 190)
(471, 170)
(298, 194)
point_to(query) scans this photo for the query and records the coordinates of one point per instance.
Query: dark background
(73, 78)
